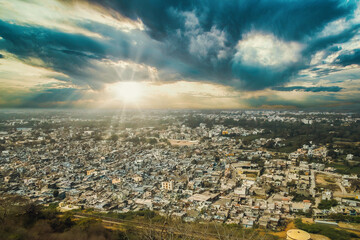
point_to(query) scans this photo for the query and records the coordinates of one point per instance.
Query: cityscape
(217, 166)
(179, 119)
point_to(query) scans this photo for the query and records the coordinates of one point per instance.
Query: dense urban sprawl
(227, 166)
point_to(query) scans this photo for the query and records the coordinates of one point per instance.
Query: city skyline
(179, 54)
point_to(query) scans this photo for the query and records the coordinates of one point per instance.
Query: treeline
(296, 134)
(344, 218)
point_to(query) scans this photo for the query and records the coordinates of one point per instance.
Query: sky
(188, 54)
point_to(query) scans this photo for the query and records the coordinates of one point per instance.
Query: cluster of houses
(197, 174)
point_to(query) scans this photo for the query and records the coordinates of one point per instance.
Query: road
(343, 190)
(313, 183)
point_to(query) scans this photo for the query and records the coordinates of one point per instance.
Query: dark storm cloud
(52, 97)
(349, 58)
(259, 77)
(58, 95)
(320, 72)
(31, 41)
(80, 57)
(69, 54)
(309, 89)
(334, 48)
(287, 20)
(291, 20)
(189, 39)
(307, 102)
(327, 42)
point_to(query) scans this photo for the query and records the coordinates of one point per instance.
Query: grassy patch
(328, 231)
(343, 169)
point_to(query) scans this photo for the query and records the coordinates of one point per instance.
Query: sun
(129, 92)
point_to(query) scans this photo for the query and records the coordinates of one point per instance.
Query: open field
(318, 237)
(324, 179)
(341, 168)
(327, 182)
(175, 142)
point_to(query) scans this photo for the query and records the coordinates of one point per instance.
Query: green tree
(56, 193)
(327, 204)
(114, 137)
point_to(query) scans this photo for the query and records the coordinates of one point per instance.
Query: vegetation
(114, 137)
(328, 231)
(344, 167)
(22, 220)
(344, 218)
(138, 215)
(327, 204)
(298, 197)
(296, 133)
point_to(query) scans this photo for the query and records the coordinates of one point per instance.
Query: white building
(167, 185)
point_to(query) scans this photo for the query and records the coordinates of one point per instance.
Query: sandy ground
(322, 179)
(318, 237)
(350, 225)
(182, 142)
(335, 183)
(307, 220)
(327, 181)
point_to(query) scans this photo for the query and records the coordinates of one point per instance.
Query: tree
(97, 137)
(152, 141)
(11, 205)
(56, 193)
(114, 137)
(327, 204)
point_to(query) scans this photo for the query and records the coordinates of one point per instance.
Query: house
(327, 195)
(247, 223)
(300, 206)
(203, 197)
(264, 221)
(167, 185)
(241, 191)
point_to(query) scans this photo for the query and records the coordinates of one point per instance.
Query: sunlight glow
(129, 92)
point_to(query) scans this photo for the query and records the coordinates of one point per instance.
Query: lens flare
(129, 92)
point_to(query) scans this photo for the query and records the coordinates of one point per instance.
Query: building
(167, 185)
(326, 195)
(300, 206)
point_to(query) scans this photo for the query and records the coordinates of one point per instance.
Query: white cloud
(131, 71)
(266, 50)
(204, 43)
(64, 17)
(339, 25)
(19, 74)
